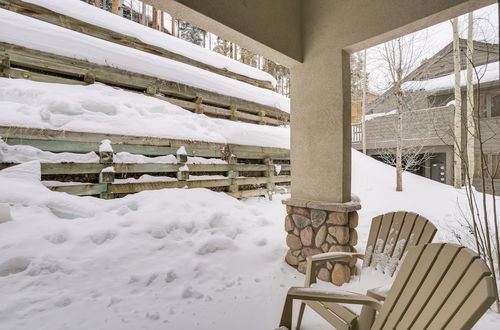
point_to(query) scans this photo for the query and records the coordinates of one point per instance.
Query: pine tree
(222, 47)
(357, 78)
(191, 33)
(248, 57)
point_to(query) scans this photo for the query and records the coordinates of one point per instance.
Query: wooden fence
(248, 170)
(71, 23)
(25, 63)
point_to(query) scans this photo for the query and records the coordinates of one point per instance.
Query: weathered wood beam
(60, 69)
(68, 22)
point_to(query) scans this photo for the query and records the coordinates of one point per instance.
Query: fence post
(151, 90)
(183, 171)
(262, 115)
(4, 64)
(198, 108)
(107, 175)
(233, 173)
(234, 112)
(269, 173)
(89, 77)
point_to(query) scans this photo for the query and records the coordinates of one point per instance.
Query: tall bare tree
(457, 159)
(363, 105)
(470, 96)
(399, 57)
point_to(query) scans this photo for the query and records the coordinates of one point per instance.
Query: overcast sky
(434, 38)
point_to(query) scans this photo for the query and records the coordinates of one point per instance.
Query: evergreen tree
(248, 57)
(357, 78)
(191, 33)
(222, 47)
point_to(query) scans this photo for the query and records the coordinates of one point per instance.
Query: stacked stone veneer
(312, 231)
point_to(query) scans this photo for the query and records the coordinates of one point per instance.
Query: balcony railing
(356, 133)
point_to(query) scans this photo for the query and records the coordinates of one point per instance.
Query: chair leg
(366, 318)
(301, 313)
(286, 316)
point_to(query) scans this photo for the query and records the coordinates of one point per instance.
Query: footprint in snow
(14, 265)
(102, 236)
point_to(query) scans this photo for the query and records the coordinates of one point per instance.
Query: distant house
(428, 122)
(357, 106)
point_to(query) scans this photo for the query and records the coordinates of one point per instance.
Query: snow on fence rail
(24, 63)
(247, 170)
(107, 26)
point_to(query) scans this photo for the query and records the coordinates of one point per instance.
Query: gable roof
(441, 63)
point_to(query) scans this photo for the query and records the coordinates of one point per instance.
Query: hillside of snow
(174, 258)
(95, 16)
(35, 34)
(103, 109)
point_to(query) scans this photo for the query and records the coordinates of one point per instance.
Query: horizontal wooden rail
(70, 168)
(236, 177)
(71, 23)
(134, 187)
(83, 142)
(24, 63)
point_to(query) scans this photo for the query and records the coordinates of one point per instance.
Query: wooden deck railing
(356, 133)
(71, 23)
(24, 63)
(248, 170)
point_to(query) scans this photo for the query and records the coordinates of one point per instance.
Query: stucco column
(320, 127)
(320, 214)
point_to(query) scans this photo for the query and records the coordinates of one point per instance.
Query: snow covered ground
(100, 108)
(95, 16)
(35, 34)
(175, 258)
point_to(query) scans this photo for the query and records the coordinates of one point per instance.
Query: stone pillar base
(317, 227)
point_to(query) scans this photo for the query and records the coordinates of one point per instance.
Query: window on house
(495, 106)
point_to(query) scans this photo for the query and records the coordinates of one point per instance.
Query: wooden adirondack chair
(439, 286)
(390, 236)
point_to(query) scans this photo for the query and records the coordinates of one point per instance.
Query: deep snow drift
(172, 259)
(103, 109)
(93, 15)
(35, 34)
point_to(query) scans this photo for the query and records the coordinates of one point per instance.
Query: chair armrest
(313, 294)
(331, 256)
(378, 294)
(323, 257)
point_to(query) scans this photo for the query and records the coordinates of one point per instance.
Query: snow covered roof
(93, 15)
(486, 73)
(32, 33)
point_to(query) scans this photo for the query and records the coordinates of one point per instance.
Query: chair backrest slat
(394, 233)
(439, 286)
(432, 280)
(398, 286)
(475, 305)
(428, 232)
(390, 236)
(372, 238)
(385, 228)
(424, 264)
(416, 233)
(406, 231)
(472, 276)
(462, 261)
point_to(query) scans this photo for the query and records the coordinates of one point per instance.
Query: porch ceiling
(275, 28)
